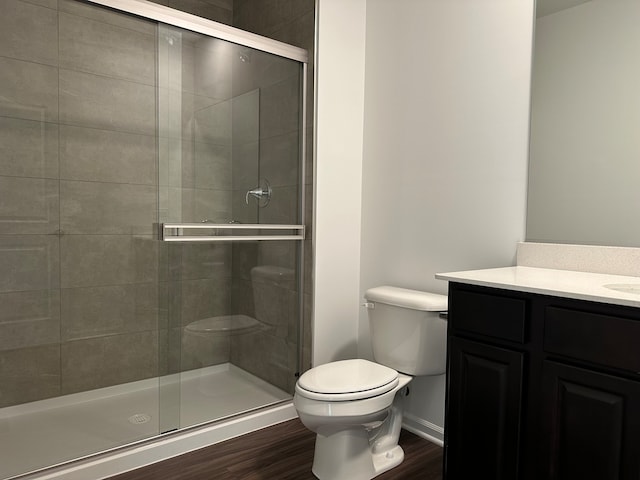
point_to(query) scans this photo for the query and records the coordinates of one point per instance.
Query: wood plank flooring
(280, 452)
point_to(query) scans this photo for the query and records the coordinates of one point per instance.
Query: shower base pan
(48, 432)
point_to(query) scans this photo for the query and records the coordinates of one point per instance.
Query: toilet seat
(346, 380)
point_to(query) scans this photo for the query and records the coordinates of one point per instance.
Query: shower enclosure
(151, 225)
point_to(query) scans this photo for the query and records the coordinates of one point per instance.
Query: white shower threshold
(52, 431)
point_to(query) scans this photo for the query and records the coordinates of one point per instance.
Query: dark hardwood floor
(280, 452)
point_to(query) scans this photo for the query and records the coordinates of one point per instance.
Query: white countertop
(558, 283)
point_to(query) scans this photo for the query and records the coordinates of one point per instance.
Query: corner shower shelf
(225, 325)
(227, 232)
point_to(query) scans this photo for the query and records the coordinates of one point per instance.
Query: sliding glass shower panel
(229, 156)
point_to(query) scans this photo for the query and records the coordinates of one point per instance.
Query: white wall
(338, 177)
(445, 150)
(443, 170)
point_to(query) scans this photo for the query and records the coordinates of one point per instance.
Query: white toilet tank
(407, 332)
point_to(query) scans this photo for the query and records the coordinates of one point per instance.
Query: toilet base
(347, 455)
(387, 460)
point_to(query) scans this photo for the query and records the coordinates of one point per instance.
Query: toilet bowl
(343, 403)
(355, 406)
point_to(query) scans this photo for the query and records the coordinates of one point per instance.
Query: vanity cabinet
(541, 387)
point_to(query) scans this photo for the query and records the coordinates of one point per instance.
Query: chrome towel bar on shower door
(227, 232)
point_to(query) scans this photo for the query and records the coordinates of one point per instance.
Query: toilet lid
(347, 380)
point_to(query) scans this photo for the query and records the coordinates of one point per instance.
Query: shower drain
(139, 418)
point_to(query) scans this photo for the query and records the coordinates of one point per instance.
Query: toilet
(355, 406)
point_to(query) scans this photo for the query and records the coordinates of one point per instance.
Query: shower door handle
(262, 193)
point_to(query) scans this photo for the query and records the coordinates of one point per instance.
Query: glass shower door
(111, 124)
(230, 209)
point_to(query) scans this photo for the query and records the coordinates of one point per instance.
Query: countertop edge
(555, 283)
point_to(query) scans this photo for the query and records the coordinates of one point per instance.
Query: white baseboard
(427, 430)
(130, 458)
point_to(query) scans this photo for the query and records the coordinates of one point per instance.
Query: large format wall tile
(246, 165)
(97, 311)
(193, 300)
(216, 10)
(29, 318)
(29, 32)
(106, 156)
(171, 57)
(29, 374)
(105, 15)
(32, 260)
(191, 261)
(279, 108)
(262, 70)
(264, 17)
(107, 208)
(212, 10)
(29, 90)
(177, 113)
(29, 205)
(44, 3)
(108, 103)
(271, 358)
(245, 257)
(199, 351)
(283, 207)
(213, 124)
(212, 60)
(273, 296)
(98, 47)
(283, 254)
(242, 297)
(92, 260)
(28, 148)
(279, 159)
(212, 166)
(245, 121)
(111, 360)
(198, 205)
(241, 211)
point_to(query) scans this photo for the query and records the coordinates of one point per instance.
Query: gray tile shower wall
(217, 10)
(85, 304)
(80, 279)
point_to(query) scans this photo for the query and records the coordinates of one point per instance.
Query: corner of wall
(338, 177)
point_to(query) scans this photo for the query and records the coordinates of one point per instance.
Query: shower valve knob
(262, 193)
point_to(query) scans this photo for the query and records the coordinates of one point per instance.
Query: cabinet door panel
(483, 411)
(593, 429)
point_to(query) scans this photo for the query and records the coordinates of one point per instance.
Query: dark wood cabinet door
(483, 411)
(592, 424)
